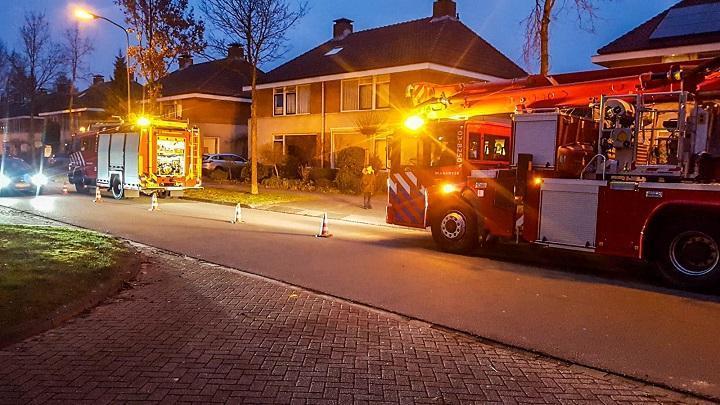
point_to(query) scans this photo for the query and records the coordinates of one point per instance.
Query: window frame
(376, 81)
(285, 92)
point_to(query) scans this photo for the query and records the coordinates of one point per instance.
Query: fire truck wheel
(117, 189)
(455, 229)
(690, 256)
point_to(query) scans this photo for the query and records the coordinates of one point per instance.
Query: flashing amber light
(82, 14)
(538, 181)
(143, 122)
(414, 123)
(82, 129)
(448, 188)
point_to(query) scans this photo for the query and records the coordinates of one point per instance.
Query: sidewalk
(338, 206)
(209, 334)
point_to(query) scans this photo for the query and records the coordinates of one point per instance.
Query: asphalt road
(606, 314)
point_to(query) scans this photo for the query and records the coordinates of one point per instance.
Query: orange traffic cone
(237, 218)
(154, 205)
(324, 232)
(98, 196)
(65, 188)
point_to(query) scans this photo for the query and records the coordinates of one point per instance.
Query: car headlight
(4, 181)
(39, 179)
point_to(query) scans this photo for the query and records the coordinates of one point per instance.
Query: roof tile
(443, 41)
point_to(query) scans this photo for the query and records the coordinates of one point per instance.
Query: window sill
(291, 115)
(368, 110)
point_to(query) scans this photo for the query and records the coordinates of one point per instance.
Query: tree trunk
(253, 136)
(545, 37)
(31, 131)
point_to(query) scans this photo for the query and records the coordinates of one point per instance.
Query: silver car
(226, 162)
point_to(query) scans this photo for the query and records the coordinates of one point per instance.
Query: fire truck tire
(689, 255)
(117, 188)
(455, 229)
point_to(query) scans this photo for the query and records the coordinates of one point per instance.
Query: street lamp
(82, 14)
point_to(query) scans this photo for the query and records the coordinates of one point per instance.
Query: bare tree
(39, 59)
(537, 26)
(76, 49)
(5, 68)
(165, 29)
(260, 27)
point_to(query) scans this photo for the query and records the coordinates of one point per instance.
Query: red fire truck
(142, 156)
(622, 162)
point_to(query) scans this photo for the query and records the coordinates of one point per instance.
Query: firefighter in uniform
(367, 186)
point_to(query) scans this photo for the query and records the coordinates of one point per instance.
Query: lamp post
(85, 15)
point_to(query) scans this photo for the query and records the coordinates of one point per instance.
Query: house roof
(222, 77)
(444, 41)
(639, 39)
(97, 96)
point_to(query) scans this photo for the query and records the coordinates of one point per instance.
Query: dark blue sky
(498, 21)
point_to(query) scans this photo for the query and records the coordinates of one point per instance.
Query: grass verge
(45, 272)
(229, 196)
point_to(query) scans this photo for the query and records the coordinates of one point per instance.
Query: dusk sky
(498, 21)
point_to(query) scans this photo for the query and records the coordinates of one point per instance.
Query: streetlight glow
(83, 14)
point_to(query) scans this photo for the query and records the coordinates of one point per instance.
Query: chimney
(185, 61)
(236, 51)
(342, 28)
(443, 9)
(97, 79)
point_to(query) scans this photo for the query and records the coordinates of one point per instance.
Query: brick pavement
(193, 332)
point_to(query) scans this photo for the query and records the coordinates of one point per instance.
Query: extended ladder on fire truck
(619, 162)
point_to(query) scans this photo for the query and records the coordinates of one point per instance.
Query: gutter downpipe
(322, 134)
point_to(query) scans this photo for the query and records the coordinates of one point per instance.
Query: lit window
(334, 51)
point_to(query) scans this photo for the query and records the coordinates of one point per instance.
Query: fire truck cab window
(474, 149)
(443, 151)
(495, 148)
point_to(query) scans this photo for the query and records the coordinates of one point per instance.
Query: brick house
(53, 126)
(687, 31)
(351, 90)
(210, 96)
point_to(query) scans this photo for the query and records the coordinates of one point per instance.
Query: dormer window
(334, 51)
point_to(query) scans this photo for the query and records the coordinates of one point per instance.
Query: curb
(123, 273)
(267, 208)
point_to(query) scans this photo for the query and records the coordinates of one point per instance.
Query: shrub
(324, 183)
(348, 182)
(322, 173)
(350, 162)
(290, 168)
(218, 175)
(352, 158)
(264, 172)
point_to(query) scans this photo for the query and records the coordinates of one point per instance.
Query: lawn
(230, 196)
(44, 269)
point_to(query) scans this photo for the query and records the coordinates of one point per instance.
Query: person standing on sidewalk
(367, 186)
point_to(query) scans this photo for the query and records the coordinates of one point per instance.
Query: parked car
(19, 177)
(226, 162)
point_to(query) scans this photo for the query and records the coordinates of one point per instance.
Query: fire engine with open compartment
(141, 156)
